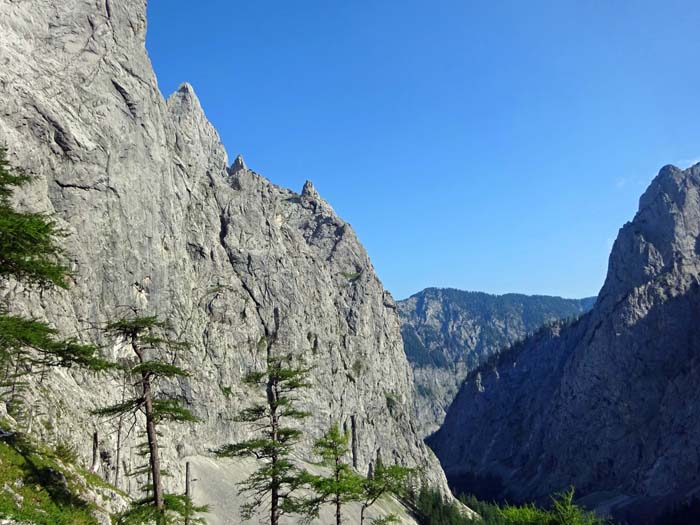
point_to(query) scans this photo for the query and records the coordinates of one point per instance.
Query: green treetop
(274, 485)
(153, 349)
(342, 485)
(30, 253)
(383, 481)
(29, 249)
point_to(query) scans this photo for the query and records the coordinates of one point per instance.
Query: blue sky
(482, 145)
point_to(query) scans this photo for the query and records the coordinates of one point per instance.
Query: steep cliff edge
(610, 403)
(447, 333)
(158, 219)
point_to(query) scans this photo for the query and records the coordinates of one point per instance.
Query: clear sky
(483, 145)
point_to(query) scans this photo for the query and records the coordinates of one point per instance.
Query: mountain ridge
(159, 220)
(448, 332)
(607, 404)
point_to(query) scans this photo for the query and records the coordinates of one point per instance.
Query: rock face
(157, 220)
(609, 404)
(449, 332)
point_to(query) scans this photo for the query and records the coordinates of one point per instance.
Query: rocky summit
(447, 333)
(609, 403)
(157, 218)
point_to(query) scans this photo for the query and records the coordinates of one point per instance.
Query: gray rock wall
(447, 333)
(609, 404)
(157, 219)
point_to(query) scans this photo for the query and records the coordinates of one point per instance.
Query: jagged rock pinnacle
(184, 100)
(176, 223)
(309, 190)
(238, 165)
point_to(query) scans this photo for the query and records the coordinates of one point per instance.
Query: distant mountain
(610, 403)
(449, 332)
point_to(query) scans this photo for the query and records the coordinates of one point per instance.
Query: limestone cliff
(610, 403)
(158, 219)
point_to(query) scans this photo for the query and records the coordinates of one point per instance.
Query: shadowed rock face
(157, 219)
(609, 404)
(447, 333)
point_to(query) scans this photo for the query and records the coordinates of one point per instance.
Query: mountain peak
(238, 165)
(664, 235)
(184, 100)
(309, 190)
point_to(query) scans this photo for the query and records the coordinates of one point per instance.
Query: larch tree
(274, 485)
(383, 481)
(153, 353)
(341, 485)
(30, 253)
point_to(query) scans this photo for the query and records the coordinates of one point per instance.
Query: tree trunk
(95, 454)
(153, 451)
(119, 451)
(274, 507)
(188, 494)
(152, 443)
(362, 515)
(272, 398)
(336, 472)
(119, 437)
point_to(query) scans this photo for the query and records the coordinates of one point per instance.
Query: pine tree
(147, 338)
(341, 485)
(29, 249)
(30, 253)
(277, 480)
(384, 480)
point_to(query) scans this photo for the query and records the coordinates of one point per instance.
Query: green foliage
(384, 480)
(565, 512)
(432, 509)
(66, 452)
(158, 368)
(392, 403)
(29, 250)
(341, 485)
(386, 520)
(177, 509)
(417, 352)
(127, 407)
(352, 277)
(137, 326)
(41, 490)
(226, 390)
(148, 334)
(357, 367)
(277, 479)
(171, 410)
(155, 351)
(31, 342)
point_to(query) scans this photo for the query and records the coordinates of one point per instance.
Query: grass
(41, 490)
(352, 277)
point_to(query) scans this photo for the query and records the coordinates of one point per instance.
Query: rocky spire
(238, 165)
(184, 100)
(309, 190)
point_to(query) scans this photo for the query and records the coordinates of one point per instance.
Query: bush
(433, 510)
(66, 452)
